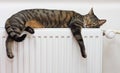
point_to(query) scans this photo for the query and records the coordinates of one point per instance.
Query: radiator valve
(109, 33)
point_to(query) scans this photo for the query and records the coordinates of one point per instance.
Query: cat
(28, 19)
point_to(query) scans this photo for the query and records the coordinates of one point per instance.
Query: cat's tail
(9, 44)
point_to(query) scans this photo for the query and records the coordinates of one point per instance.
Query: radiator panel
(53, 51)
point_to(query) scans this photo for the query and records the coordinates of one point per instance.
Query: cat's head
(92, 21)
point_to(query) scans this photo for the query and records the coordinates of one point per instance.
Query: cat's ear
(91, 12)
(102, 21)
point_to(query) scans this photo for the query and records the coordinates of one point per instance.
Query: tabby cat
(26, 20)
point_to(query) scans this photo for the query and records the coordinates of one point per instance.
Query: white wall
(103, 1)
(109, 11)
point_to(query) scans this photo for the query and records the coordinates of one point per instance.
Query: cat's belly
(34, 24)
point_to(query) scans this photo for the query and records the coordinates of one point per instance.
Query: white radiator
(53, 51)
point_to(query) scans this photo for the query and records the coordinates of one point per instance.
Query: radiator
(53, 51)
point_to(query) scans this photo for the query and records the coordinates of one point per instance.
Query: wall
(103, 1)
(109, 11)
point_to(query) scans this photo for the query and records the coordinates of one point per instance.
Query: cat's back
(44, 16)
(49, 17)
(42, 13)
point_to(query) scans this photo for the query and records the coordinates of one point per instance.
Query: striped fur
(26, 20)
